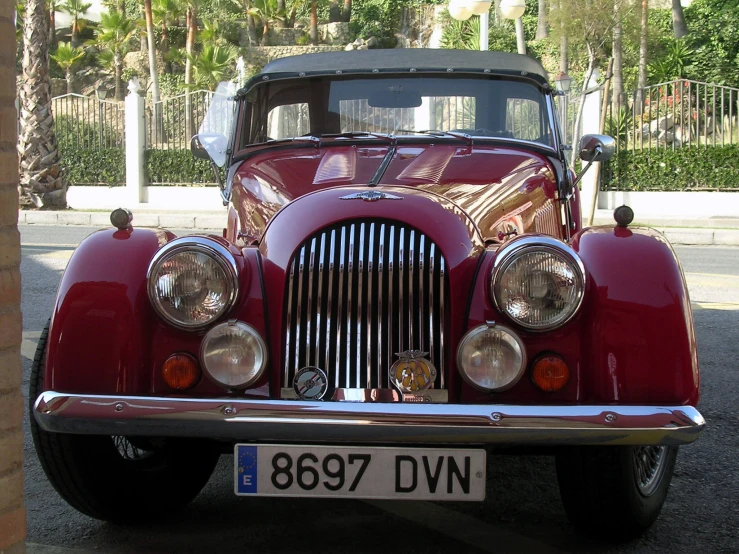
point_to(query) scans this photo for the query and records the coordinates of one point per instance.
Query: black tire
(115, 478)
(614, 493)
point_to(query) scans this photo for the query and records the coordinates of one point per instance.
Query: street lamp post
(462, 10)
(101, 92)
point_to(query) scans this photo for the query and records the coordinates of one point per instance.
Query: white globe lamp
(460, 10)
(512, 9)
(479, 7)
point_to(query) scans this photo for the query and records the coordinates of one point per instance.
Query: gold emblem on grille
(413, 372)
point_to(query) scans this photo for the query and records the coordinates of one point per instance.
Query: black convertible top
(402, 60)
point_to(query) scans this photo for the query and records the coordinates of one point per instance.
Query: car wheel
(614, 492)
(114, 478)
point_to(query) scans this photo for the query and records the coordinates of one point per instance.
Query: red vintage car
(402, 284)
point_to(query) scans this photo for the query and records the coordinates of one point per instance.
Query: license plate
(366, 472)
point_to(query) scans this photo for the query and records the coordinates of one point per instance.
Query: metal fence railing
(171, 122)
(675, 114)
(85, 122)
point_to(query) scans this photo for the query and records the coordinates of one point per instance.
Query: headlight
(192, 281)
(491, 358)
(538, 282)
(233, 354)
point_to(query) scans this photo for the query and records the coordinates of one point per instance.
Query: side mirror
(210, 146)
(597, 148)
(197, 148)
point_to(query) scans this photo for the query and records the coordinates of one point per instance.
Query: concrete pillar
(12, 509)
(590, 125)
(135, 143)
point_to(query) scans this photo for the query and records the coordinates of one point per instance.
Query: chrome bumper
(335, 422)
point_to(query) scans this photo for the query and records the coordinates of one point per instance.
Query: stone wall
(12, 510)
(259, 56)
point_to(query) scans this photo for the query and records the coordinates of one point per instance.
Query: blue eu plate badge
(246, 481)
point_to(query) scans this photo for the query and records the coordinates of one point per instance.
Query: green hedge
(682, 169)
(106, 167)
(177, 167)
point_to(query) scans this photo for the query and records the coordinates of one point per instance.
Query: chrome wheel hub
(649, 467)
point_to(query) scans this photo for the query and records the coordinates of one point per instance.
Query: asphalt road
(522, 512)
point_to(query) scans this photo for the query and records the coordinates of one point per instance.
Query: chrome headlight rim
(472, 333)
(537, 243)
(254, 334)
(217, 252)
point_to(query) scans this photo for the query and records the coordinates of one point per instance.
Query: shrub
(177, 167)
(682, 169)
(104, 167)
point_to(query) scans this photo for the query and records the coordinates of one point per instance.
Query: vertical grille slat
(357, 294)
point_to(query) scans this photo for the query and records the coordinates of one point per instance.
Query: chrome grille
(358, 293)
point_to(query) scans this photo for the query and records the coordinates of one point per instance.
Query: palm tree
(192, 29)
(642, 72)
(76, 9)
(52, 23)
(67, 56)
(153, 73)
(41, 179)
(679, 27)
(213, 65)
(346, 13)
(164, 12)
(313, 33)
(266, 11)
(542, 31)
(114, 33)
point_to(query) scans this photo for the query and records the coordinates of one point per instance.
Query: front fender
(641, 346)
(102, 318)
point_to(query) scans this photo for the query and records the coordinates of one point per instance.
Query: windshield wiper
(437, 133)
(356, 134)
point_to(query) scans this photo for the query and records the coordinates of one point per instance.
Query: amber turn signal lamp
(550, 373)
(181, 371)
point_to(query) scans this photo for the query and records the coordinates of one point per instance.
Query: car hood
(500, 190)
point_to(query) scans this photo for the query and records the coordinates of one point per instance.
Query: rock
(362, 47)
(663, 123)
(334, 33)
(349, 47)
(373, 42)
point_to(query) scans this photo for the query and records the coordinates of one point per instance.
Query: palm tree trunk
(165, 47)
(346, 13)
(563, 47)
(679, 27)
(282, 10)
(75, 32)
(69, 75)
(153, 72)
(542, 31)
(52, 25)
(265, 31)
(581, 106)
(642, 75)
(618, 63)
(42, 183)
(118, 65)
(313, 22)
(192, 27)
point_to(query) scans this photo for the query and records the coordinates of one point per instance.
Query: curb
(678, 235)
(102, 219)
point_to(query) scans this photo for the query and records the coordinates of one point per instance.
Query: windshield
(403, 105)
(218, 122)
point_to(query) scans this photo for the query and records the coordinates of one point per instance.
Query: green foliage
(673, 64)
(213, 65)
(73, 132)
(82, 166)
(66, 55)
(376, 18)
(714, 37)
(177, 167)
(682, 169)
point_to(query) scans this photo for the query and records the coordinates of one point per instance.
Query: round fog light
(550, 373)
(491, 358)
(180, 371)
(233, 354)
